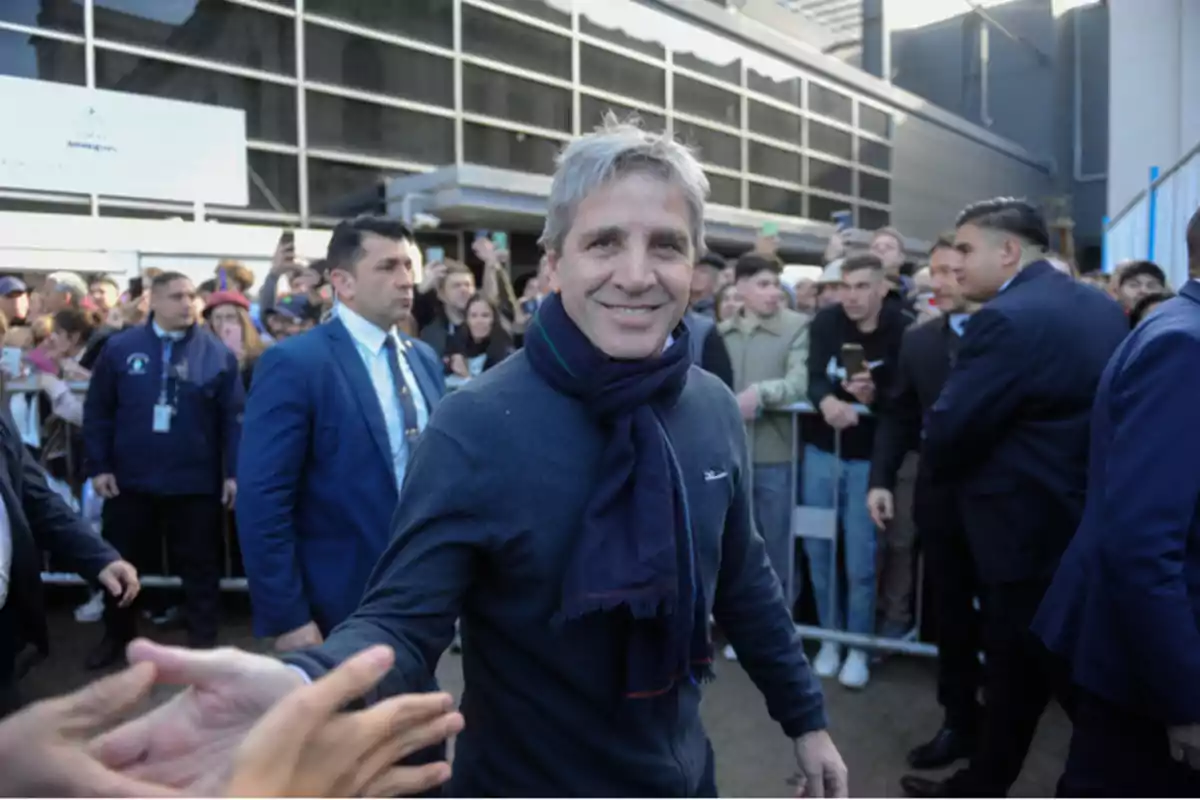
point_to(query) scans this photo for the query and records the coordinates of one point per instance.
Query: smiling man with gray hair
(585, 620)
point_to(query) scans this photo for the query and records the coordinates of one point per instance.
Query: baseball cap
(10, 285)
(297, 307)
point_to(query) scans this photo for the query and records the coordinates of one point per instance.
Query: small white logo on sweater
(714, 475)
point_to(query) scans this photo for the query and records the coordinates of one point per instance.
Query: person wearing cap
(228, 316)
(291, 315)
(830, 285)
(14, 300)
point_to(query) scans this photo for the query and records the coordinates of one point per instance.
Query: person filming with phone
(853, 350)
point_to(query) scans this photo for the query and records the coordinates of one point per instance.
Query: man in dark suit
(926, 354)
(329, 429)
(33, 518)
(1010, 432)
(1124, 608)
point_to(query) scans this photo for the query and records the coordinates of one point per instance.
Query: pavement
(874, 728)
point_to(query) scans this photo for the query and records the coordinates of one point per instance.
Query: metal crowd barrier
(229, 582)
(818, 522)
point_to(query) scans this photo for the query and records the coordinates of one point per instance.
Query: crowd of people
(372, 435)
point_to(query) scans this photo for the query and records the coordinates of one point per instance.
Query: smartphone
(500, 240)
(842, 219)
(482, 234)
(435, 255)
(287, 238)
(770, 229)
(137, 287)
(854, 361)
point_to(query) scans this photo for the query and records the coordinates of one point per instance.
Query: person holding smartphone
(853, 349)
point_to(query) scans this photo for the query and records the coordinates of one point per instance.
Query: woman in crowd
(228, 316)
(72, 329)
(726, 304)
(477, 346)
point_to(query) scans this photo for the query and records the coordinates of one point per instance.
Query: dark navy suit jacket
(318, 488)
(1010, 428)
(1124, 608)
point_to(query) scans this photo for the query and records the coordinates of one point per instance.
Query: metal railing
(823, 522)
(1153, 224)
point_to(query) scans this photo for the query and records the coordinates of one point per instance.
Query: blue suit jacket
(1124, 608)
(317, 488)
(1010, 428)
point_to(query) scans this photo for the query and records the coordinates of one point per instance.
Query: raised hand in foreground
(304, 747)
(44, 747)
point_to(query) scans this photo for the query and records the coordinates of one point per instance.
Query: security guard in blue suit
(162, 421)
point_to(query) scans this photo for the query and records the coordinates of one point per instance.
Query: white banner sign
(59, 138)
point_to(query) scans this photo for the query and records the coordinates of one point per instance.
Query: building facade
(343, 96)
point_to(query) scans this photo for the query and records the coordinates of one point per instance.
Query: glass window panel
(825, 101)
(830, 177)
(213, 29)
(776, 200)
(775, 163)
(620, 75)
(356, 62)
(872, 219)
(280, 174)
(338, 123)
(776, 123)
(59, 15)
(342, 190)
(826, 139)
(592, 110)
(508, 97)
(872, 120)
(430, 21)
(495, 147)
(874, 154)
(724, 190)
(270, 108)
(874, 188)
(731, 72)
(538, 9)
(25, 56)
(702, 100)
(823, 208)
(511, 42)
(789, 90)
(714, 147)
(620, 37)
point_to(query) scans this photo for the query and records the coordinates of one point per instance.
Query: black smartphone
(136, 287)
(287, 238)
(854, 361)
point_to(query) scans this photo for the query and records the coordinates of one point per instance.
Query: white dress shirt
(6, 551)
(369, 340)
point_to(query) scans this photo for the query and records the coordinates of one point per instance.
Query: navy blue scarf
(635, 552)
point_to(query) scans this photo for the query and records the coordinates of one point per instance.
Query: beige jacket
(771, 354)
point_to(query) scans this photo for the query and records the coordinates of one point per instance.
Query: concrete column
(876, 40)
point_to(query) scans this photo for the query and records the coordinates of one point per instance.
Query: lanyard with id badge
(164, 409)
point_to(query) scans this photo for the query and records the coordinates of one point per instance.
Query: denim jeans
(773, 517)
(855, 611)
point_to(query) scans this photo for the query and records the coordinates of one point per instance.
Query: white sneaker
(730, 653)
(92, 610)
(855, 673)
(828, 660)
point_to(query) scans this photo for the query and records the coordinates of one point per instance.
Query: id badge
(162, 418)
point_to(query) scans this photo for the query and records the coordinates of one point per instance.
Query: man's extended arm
(415, 593)
(899, 411)
(1151, 488)
(980, 398)
(821, 346)
(751, 610)
(271, 457)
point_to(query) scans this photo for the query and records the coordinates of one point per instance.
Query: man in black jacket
(926, 354)
(33, 518)
(1010, 431)
(853, 348)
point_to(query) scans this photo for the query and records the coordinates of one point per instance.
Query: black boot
(947, 746)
